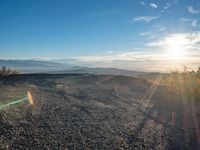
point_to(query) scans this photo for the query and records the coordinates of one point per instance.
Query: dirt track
(96, 112)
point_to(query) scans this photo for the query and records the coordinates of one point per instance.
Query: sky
(129, 34)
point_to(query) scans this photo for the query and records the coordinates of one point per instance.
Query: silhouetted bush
(5, 71)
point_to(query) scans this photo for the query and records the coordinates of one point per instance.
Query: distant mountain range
(97, 71)
(34, 66)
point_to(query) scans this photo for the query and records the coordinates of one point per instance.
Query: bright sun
(176, 47)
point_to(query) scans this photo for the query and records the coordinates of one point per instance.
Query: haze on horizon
(129, 34)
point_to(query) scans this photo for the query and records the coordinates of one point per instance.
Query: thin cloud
(145, 18)
(167, 6)
(153, 5)
(186, 19)
(194, 23)
(155, 43)
(152, 37)
(162, 28)
(192, 10)
(190, 39)
(142, 3)
(121, 56)
(145, 34)
(159, 27)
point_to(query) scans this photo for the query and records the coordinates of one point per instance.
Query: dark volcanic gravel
(96, 112)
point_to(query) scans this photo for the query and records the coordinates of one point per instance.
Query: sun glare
(176, 47)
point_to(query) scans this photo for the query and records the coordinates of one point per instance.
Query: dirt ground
(96, 112)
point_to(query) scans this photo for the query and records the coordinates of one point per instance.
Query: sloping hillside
(95, 112)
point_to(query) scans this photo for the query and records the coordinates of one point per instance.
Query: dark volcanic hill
(96, 112)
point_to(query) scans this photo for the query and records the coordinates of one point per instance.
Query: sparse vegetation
(187, 83)
(5, 71)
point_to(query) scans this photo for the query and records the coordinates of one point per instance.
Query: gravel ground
(96, 112)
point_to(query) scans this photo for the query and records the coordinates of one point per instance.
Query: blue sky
(107, 33)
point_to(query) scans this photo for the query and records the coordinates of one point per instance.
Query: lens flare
(30, 98)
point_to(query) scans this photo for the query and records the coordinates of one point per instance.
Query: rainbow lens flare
(29, 97)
